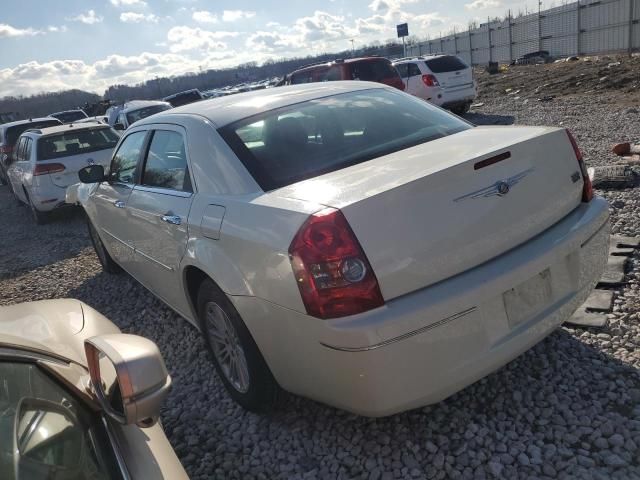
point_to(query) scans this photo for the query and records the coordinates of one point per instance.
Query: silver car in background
(79, 399)
(136, 110)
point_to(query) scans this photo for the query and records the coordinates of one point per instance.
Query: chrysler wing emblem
(498, 189)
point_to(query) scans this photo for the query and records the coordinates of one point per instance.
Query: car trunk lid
(73, 163)
(450, 72)
(432, 211)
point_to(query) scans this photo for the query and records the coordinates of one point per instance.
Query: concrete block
(614, 271)
(599, 301)
(582, 318)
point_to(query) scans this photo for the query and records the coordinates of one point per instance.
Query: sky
(50, 45)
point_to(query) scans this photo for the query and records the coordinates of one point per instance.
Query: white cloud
(128, 3)
(482, 4)
(233, 15)
(133, 17)
(55, 29)
(203, 16)
(9, 31)
(183, 39)
(90, 17)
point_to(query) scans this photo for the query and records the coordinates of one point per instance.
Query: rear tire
(39, 217)
(108, 264)
(236, 356)
(461, 110)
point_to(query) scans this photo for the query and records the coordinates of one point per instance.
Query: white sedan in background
(47, 161)
(348, 242)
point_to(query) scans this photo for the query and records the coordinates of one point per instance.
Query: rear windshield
(14, 132)
(318, 74)
(287, 145)
(373, 70)
(141, 113)
(68, 117)
(76, 142)
(446, 63)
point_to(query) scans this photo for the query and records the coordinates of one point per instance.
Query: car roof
(222, 111)
(138, 104)
(423, 57)
(67, 111)
(69, 127)
(30, 120)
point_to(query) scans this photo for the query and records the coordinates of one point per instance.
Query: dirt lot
(611, 79)
(568, 408)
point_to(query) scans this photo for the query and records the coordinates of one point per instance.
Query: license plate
(528, 299)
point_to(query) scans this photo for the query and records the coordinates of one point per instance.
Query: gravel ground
(568, 408)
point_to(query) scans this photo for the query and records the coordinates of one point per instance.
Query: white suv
(443, 80)
(47, 161)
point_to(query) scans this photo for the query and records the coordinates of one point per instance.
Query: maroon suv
(371, 69)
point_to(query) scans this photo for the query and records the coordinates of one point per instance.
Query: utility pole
(539, 25)
(510, 39)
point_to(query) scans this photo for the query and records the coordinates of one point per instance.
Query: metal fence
(585, 27)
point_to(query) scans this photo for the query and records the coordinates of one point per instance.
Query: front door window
(124, 162)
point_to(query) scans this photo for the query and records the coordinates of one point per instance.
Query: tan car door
(158, 211)
(109, 200)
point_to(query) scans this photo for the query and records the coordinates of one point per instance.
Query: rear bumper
(456, 97)
(47, 197)
(420, 348)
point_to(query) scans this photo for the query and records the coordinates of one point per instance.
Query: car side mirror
(48, 440)
(91, 174)
(128, 376)
(118, 126)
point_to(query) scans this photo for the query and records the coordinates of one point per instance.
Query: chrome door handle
(119, 203)
(172, 219)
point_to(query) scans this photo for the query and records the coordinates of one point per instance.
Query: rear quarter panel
(251, 255)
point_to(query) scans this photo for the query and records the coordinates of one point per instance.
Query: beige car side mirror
(128, 376)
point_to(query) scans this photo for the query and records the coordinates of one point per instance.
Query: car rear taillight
(331, 270)
(587, 189)
(47, 168)
(430, 80)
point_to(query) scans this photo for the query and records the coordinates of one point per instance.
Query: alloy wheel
(226, 347)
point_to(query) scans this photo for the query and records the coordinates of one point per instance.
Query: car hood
(52, 327)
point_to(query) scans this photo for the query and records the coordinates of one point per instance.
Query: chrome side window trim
(163, 191)
(437, 324)
(116, 449)
(10, 353)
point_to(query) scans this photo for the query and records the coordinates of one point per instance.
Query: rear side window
(306, 76)
(446, 63)
(403, 70)
(414, 70)
(14, 132)
(76, 142)
(141, 113)
(166, 165)
(372, 70)
(27, 148)
(287, 145)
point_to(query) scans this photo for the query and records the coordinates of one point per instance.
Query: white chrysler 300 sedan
(348, 242)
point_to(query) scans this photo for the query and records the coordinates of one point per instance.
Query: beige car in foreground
(79, 399)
